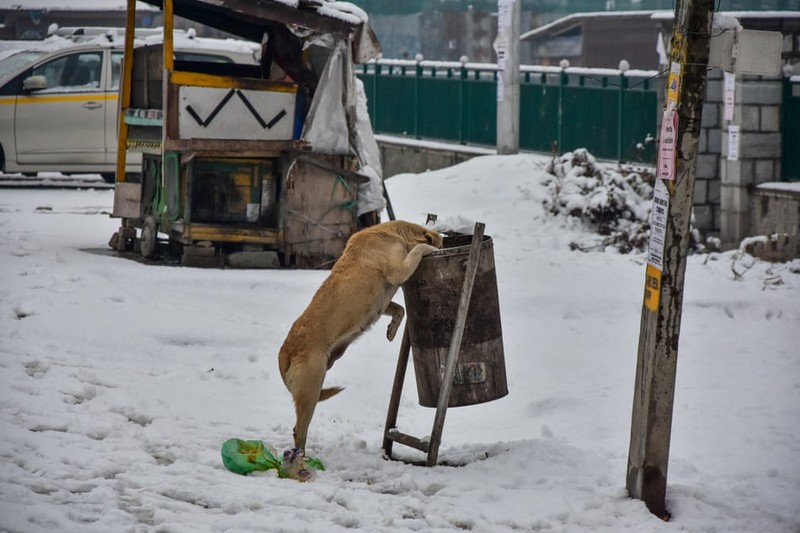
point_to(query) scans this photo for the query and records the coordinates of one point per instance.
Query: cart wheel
(147, 242)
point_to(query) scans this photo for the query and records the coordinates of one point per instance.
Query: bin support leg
(455, 344)
(397, 391)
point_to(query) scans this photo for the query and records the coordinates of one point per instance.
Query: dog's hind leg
(397, 313)
(304, 380)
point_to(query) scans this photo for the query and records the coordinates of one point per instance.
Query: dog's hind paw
(397, 313)
(391, 331)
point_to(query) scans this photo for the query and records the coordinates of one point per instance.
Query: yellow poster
(673, 84)
(652, 288)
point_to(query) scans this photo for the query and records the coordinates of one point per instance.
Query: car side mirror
(35, 83)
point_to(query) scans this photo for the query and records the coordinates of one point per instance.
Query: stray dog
(359, 289)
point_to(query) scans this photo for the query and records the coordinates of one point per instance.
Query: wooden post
(654, 390)
(125, 90)
(507, 49)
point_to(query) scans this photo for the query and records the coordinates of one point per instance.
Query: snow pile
(612, 205)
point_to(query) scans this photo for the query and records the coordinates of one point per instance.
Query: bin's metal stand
(391, 433)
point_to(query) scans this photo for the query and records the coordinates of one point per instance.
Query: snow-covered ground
(120, 381)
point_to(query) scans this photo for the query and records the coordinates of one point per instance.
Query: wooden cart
(227, 176)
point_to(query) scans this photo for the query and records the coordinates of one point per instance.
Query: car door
(64, 123)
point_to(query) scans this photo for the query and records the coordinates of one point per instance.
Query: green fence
(614, 115)
(791, 129)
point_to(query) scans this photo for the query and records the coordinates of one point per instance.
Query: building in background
(603, 39)
(437, 29)
(30, 19)
(450, 29)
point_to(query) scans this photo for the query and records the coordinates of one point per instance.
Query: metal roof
(249, 18)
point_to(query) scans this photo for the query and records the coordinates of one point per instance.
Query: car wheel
(147, 242)
(108, 177)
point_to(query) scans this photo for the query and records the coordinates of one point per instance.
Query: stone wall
(722, 204)
(757, 112)
(706, 200)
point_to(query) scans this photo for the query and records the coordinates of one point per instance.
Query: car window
(116, 69)
(72, 72)
(17, 61)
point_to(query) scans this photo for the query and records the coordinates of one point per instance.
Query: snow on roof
(563, 21)
(793, 186)
(77, 5)
(725, 22)
(345, 11)
(668, 15)
(654, 15)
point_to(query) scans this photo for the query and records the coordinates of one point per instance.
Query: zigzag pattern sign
(218, 113)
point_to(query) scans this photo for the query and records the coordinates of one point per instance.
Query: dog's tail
(326, 393)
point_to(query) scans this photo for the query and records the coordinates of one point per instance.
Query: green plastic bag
(246, 456)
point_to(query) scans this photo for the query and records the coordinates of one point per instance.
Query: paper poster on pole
(729, 95)
(500, 44)
(501, 49)
(652, 288)
(667, 145)
(673, 84)
(500, 88)
(655, 248)
(658, 225)
(504, 13)
(733, 142)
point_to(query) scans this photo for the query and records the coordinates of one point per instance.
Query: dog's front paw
(428, 249)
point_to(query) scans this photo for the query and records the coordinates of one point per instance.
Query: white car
(58, 101)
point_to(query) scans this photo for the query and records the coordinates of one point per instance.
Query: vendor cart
(251, 165)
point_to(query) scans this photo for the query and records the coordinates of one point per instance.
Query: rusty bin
(432, 296)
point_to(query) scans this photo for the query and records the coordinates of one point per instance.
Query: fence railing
(610, 112)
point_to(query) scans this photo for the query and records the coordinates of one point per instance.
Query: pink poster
(668, 145)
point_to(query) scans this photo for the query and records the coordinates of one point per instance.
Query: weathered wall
(401, 156)
(776, 215)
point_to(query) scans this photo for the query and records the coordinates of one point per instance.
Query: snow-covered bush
(613, 204)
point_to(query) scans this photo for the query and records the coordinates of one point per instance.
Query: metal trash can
(432, 297)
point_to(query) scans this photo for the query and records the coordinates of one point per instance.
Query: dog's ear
(433, 238)
(426, 238)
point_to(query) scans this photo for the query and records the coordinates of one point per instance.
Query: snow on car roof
(113, 37)
(184, 40)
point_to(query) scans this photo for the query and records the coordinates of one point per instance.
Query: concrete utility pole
(654, 391)
(507, 48)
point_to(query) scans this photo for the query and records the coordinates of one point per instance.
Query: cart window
(199, 56)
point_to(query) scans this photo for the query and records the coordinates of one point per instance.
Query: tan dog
(359, 289)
